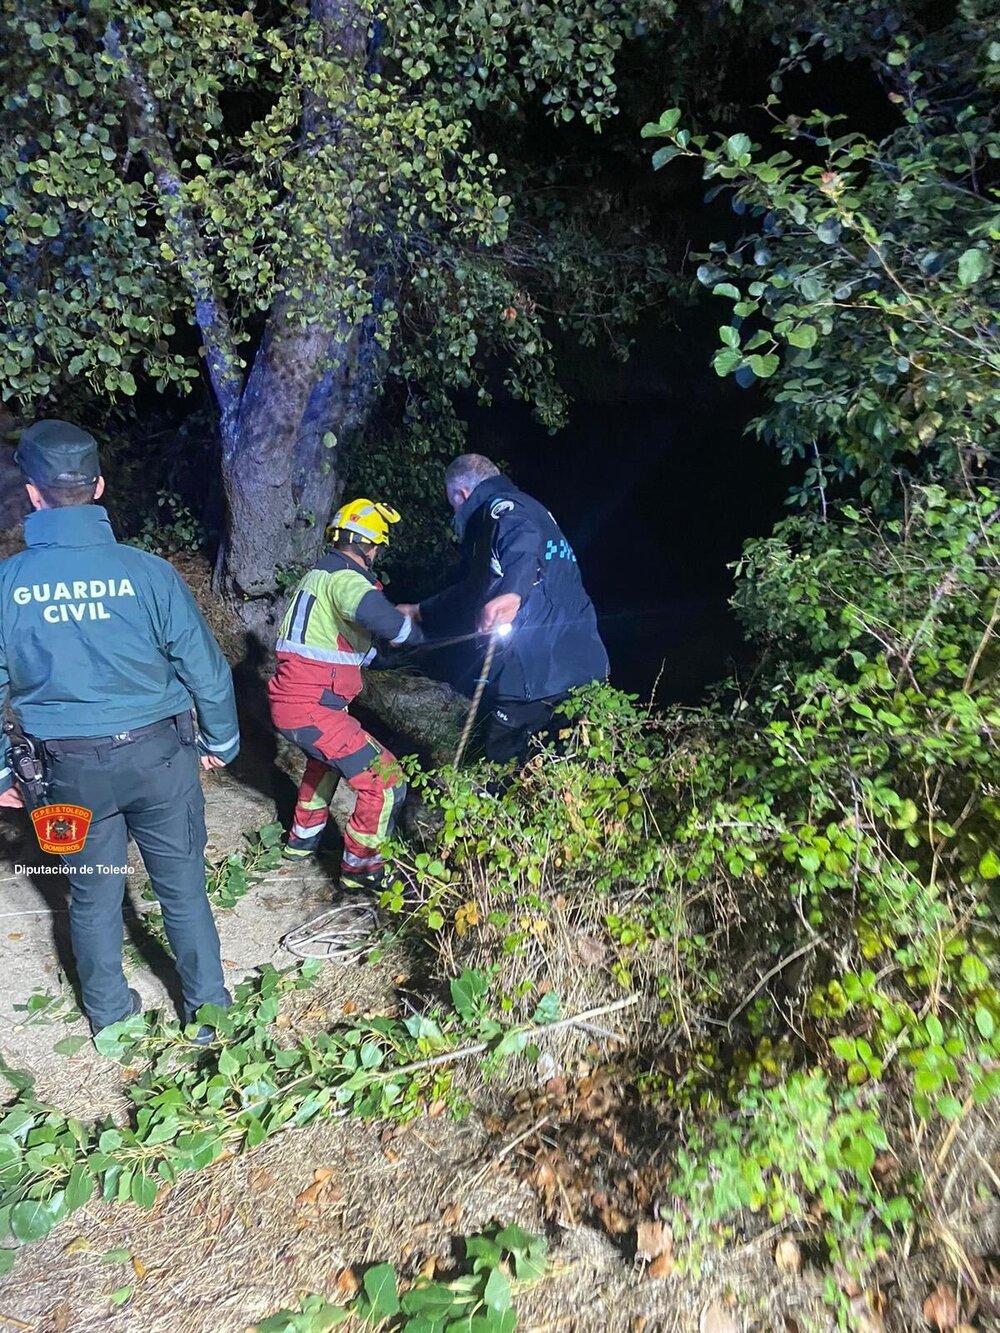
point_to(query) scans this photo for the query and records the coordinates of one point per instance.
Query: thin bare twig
(778, 967)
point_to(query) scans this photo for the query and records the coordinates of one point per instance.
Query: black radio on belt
(184, 722)
(26, 765)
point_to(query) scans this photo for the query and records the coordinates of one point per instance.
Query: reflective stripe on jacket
(327, 634)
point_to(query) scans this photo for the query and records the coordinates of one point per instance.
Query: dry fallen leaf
(437, 1107)
(791, 1325)
(661, 1266)
(653, 1239)
(787, 1256)
(450, 1214)
(428, 1267)
(965, 1328)
(941, 1308)
(591, 951)
(347, 1283)
(139, 1268)
(715, 1318)
(310, 1196)
(78, 1245)
(639, 1323)
(60, 1317)
(866, 1313)
(350, 1007)
(16, 935)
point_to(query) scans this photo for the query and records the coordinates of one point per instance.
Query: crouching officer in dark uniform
(520, 574)
(104, 653)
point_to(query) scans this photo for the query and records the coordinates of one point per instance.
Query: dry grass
(229, 1245)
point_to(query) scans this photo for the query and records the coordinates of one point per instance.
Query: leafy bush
(800, 879)
(175, 529)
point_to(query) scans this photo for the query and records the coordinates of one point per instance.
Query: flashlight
(502, 631)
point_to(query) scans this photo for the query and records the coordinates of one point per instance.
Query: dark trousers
(512, 724)
(148, 787)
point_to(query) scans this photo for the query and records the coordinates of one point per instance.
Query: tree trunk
(309, 382)
(280, 477)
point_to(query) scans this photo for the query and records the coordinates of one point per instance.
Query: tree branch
(211, 315)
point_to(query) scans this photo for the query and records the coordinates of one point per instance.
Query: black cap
(55, 453)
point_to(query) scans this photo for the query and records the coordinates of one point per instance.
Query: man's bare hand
(499, 611)
(411, 609)
(11, 799)
(212, 761)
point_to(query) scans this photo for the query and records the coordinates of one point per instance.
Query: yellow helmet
(367, 519)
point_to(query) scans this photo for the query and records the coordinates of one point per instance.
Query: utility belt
(27, 755)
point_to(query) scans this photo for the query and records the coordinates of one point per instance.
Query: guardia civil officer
(521, 572)
(105, 654)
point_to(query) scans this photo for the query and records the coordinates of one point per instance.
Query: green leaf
(764, 366)
(989, 865)
(484, 1252)
(8, 1258)
(974, 970)
(973, 265)
(514, 1238)
(985, 1022)
(829, 231)
(497, 1291)
(949, 1107)
(380, 1287)
(10, 1151)
(512, 1043)
(726, 361)
(548, 1008)
(371, 1055)
(115, 1040)
(32, 1219)
(803, 335)
(860, 1155)
(70, 1045)
(79, 1187)
(121, 1294)
(664, 155)
(429, 1299)
(143, 1190)
(665, 125)
(467, 990)
(729, 335)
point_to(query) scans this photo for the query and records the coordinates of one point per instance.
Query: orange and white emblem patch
(61, 829)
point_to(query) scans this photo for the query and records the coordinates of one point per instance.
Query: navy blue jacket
(512, 544)
(97, 638)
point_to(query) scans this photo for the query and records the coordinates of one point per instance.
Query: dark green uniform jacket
(98, 638)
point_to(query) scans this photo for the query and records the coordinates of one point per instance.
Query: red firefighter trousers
(338, 746)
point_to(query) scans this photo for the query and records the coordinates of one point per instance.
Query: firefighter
(521, 573)
(335, 614)
(104, 653)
